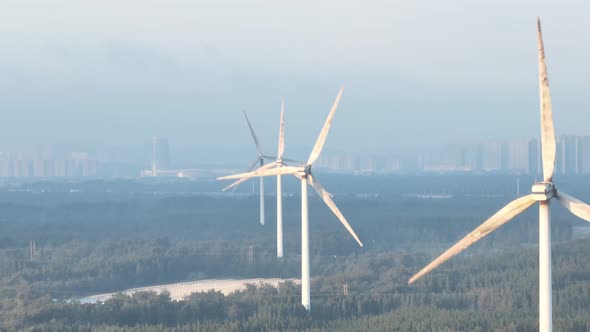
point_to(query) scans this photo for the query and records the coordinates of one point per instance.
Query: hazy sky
(116, 72)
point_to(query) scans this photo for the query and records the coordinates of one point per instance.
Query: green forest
(97, 243)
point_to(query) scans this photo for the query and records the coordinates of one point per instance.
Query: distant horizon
(471, 156)
(186, 71)
(243, 148)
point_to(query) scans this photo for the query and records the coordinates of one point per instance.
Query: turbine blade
(264, 172)
(575, 206)
(501, 217)
(547, 130)
(282, 132)
(274, 158)
(319, 144)
(330, 203)
(253, 134)
(292, 160)
(253, 164)
(235, 184)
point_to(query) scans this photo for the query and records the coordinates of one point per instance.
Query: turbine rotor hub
(543, 191)
(307, 170)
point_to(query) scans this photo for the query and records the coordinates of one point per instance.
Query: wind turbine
(277, 163)
(260, 161)
(542, 192)
(304, 173)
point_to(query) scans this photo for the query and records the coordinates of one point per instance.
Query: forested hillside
(105, 243)
(497, 293)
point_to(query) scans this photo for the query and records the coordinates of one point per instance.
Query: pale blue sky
(414, 71)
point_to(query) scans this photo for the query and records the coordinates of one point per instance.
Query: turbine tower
(279, 162)
(304, 173)
(260, 161)
(542, 192)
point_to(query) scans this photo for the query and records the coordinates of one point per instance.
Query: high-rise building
(492, 156)
(518, 156)
(534, 157)
(504, 156)
(479, 157)
(559, 163)
(585, 154)
(60, 168)
(579, 154)
(471, 157)
(48, 167)
(80, 164)
(160, 155)
(6, 168)
(23, 168)
(455, 156)
(39, 168)
(569, 154)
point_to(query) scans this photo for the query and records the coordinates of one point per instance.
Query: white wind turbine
(542, 192)
(304, 173)
(279, 162)
(259, 160)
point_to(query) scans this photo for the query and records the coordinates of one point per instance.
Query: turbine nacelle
(302, 172)
(543, 191)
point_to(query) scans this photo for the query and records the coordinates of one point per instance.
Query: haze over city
(113, 74)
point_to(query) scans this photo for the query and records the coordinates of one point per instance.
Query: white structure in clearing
(181, 290)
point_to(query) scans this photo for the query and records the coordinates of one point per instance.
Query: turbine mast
(261, 196)
(305, 279)
(279, 162)
(545, 300)
(279, 217)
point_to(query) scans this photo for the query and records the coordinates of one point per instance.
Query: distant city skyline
(514, 156)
